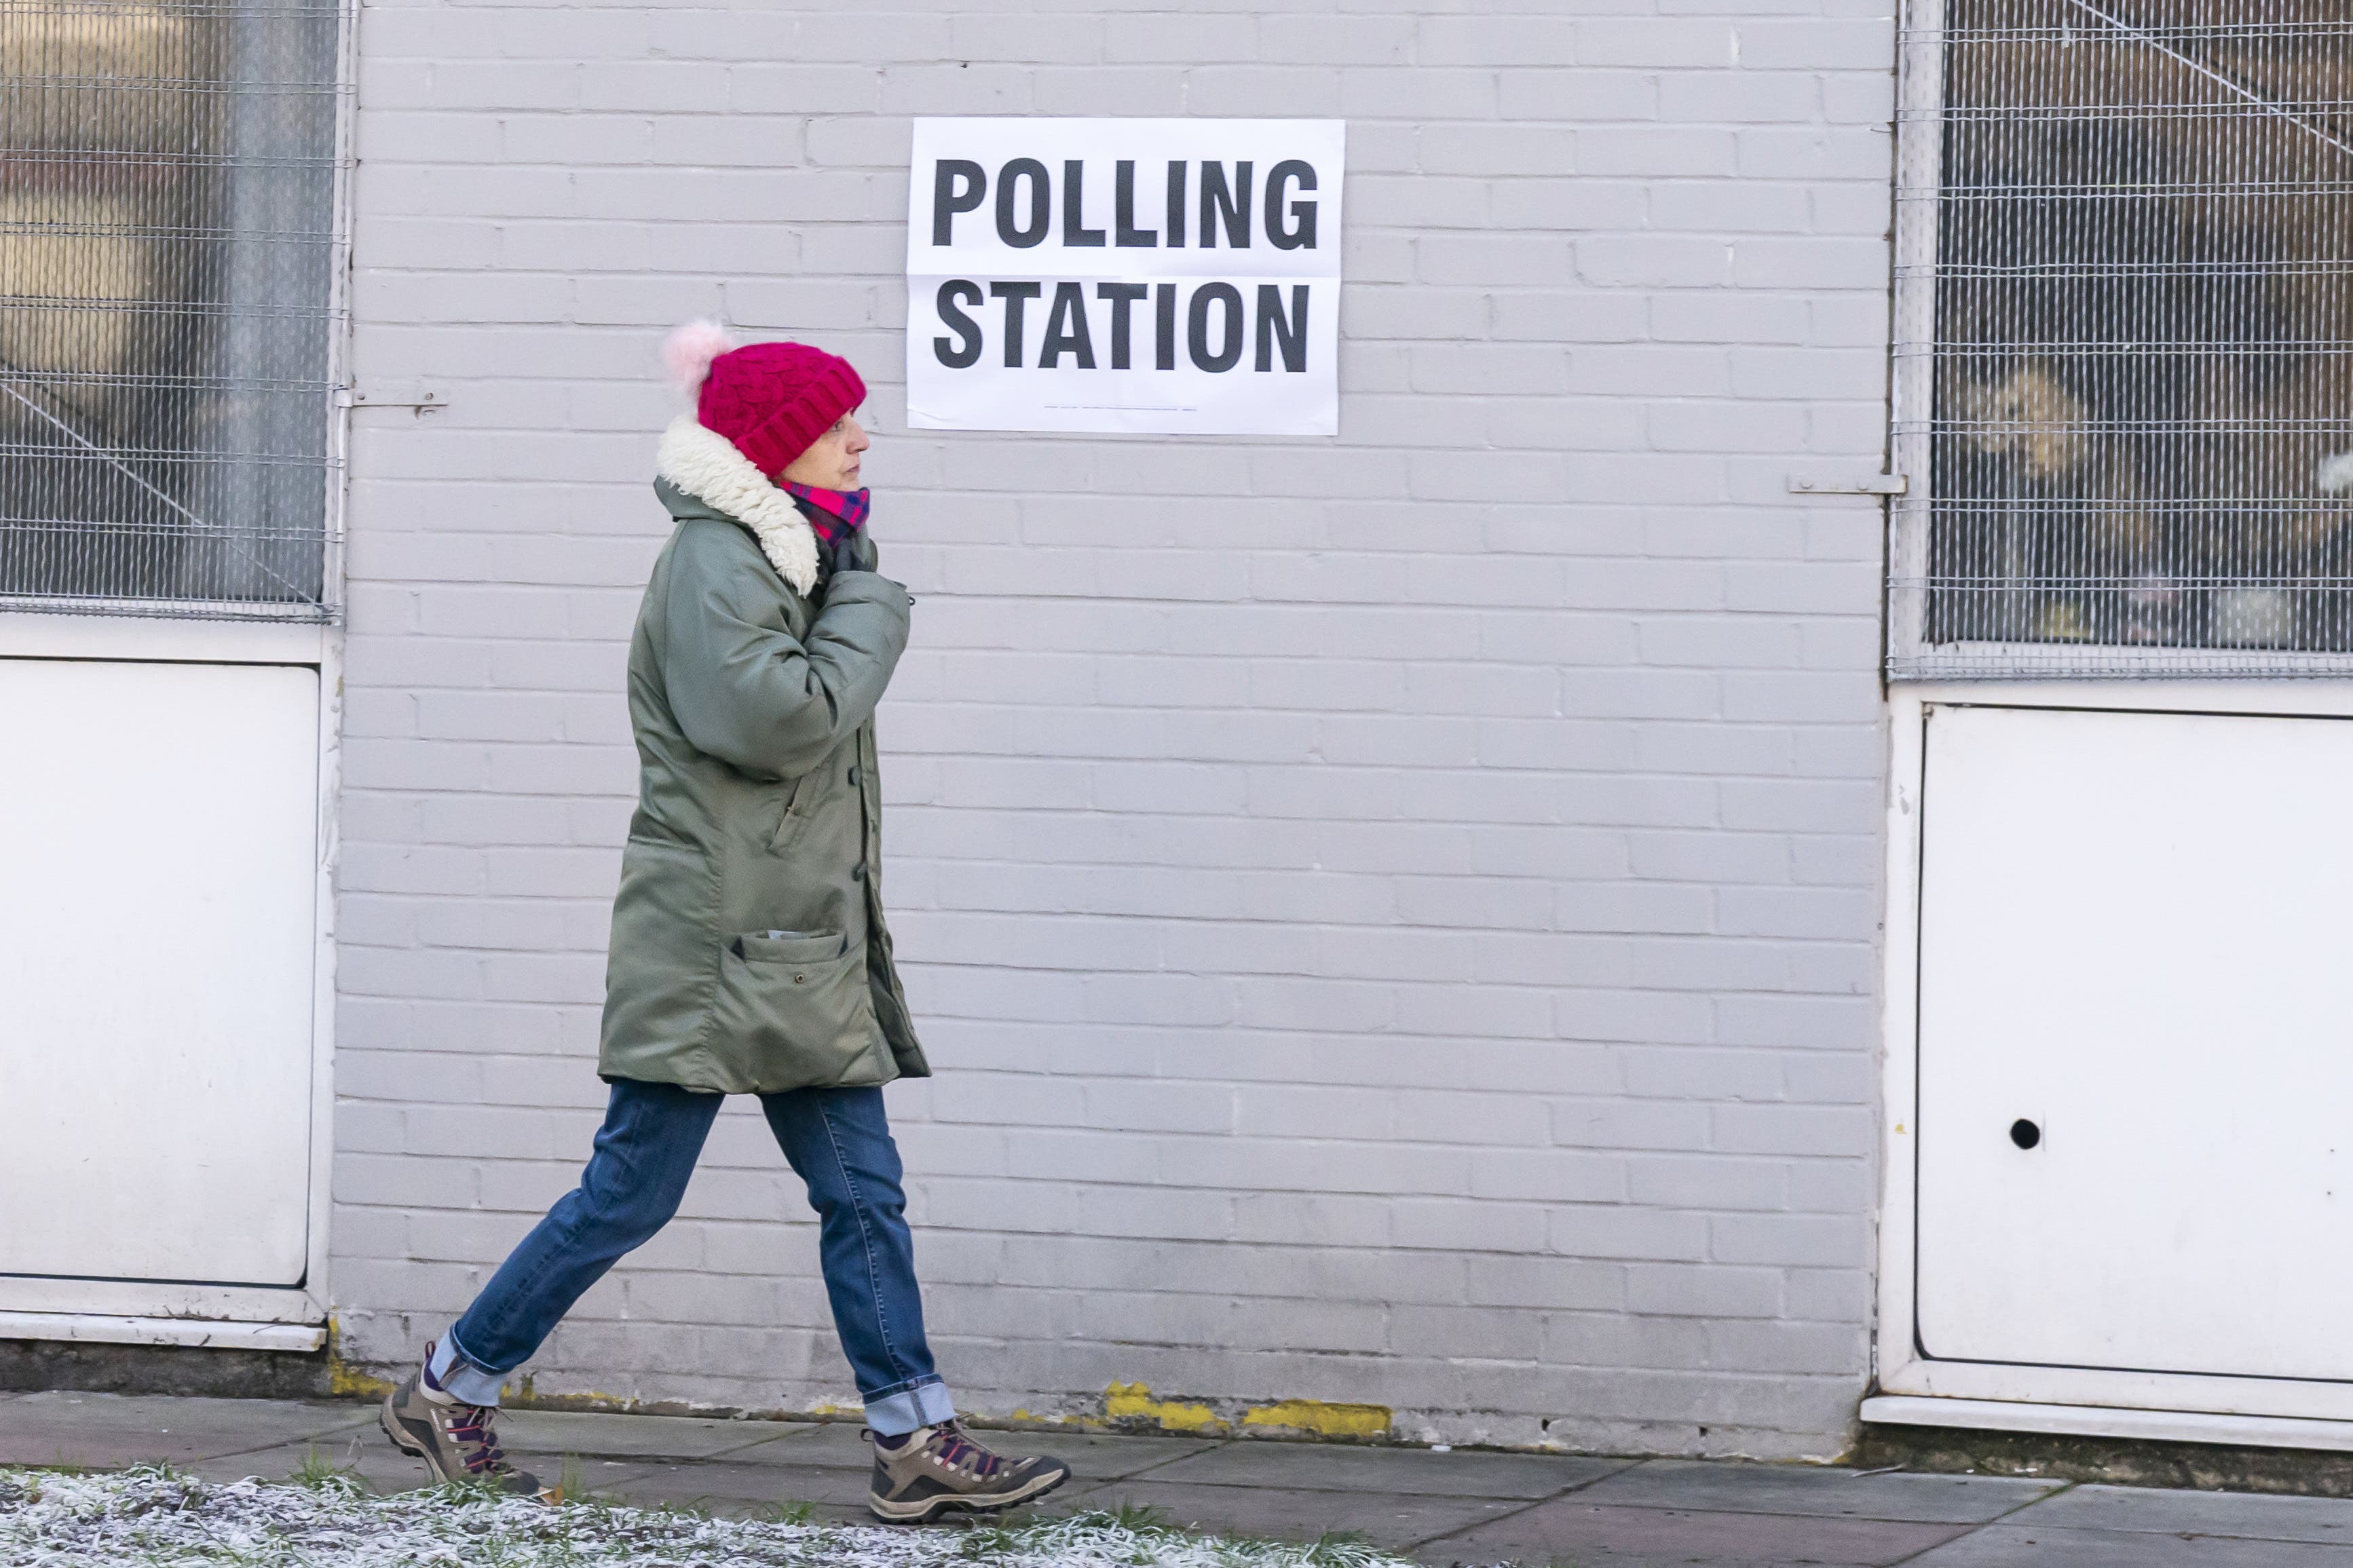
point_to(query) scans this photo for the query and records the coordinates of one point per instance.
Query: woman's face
(832, 463)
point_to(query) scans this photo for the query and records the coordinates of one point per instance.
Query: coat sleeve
(750, 693)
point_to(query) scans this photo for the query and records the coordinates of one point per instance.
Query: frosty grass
(151, 1517)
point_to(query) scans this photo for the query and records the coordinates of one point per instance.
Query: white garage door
(2135, 1113)
(158, 862)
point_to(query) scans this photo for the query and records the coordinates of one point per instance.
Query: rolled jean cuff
(924, 1405)
(460, 1375)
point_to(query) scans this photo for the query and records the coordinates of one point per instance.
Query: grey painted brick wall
(1395, 916)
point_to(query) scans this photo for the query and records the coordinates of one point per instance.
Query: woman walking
(749, 953)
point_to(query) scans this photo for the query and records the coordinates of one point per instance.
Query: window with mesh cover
(2123, 395)
(168, 255)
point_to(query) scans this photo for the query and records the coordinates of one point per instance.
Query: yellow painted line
(1322, 1417)
(1132, 1401)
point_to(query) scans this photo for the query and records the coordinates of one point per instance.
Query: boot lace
(956, 1450)
(471, 1427)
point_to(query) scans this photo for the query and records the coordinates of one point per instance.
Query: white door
(2136, 1041)
(159, 844)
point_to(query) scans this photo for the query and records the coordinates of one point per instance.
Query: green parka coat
(749, 952)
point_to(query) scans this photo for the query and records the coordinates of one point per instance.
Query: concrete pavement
(1443, 1507)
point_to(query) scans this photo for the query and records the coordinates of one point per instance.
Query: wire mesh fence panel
(168, 310)
(2125, 395)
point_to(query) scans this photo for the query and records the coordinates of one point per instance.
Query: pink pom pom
(689, 351)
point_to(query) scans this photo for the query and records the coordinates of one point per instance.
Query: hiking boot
(935, 1469)
(455, 1441)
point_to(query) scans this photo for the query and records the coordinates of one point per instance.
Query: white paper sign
(1179, 276)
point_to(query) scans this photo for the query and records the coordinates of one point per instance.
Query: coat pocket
(794, 1009)
(790, 946)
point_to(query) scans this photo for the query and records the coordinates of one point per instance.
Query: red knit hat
(773, 400)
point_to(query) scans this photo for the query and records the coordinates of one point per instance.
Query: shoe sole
(930, 1509)
(416, 1449)
(394, 1428)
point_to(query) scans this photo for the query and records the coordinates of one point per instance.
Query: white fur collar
(706, 466)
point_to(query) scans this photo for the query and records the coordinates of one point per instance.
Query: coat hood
(705, 464)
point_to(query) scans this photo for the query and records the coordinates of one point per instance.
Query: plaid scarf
(832, 513)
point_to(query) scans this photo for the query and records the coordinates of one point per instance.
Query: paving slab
(1455, 1508)
(1592, 1535)
(1817, 1491)
(757, 1481)
(1412, 1471)
(102, 1430)
(841, 1445)
(735, 1491)
(560, 1432)
(832, 1471)
(829, 1445)
(1397, 1521)
(1101, 1456)
(2235, 1515)
(2027, 1545)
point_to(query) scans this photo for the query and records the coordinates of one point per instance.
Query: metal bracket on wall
(418, 404)
(1846, 485)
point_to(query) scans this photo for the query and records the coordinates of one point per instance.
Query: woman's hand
(853, 552)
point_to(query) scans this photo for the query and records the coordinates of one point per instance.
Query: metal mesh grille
(2123, 389)
(169, 186)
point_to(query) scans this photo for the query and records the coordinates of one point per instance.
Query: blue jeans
(838, 1139)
